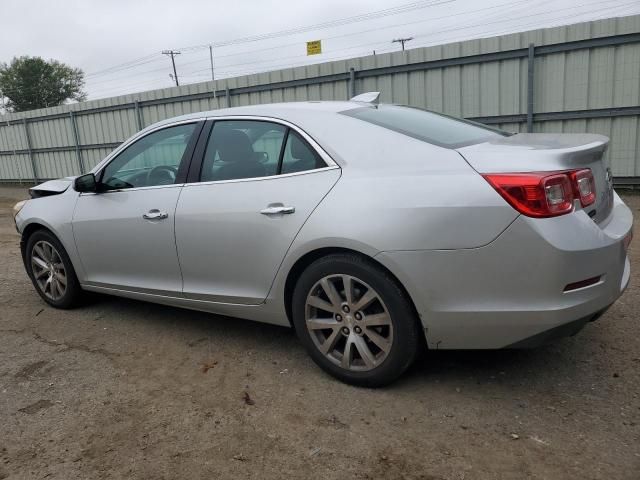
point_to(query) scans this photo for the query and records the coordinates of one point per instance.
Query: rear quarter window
(434, 128)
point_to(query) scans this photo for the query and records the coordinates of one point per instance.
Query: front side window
(152, 160)
(429, 127)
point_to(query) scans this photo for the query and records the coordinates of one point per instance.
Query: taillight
(585, 188)
(544, 194)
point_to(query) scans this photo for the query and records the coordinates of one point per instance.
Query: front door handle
(155, 214)
(278, 210)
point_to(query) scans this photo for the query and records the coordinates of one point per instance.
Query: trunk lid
(541, 152)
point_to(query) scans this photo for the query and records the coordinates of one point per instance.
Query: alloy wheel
(48, 270)
(348, 322)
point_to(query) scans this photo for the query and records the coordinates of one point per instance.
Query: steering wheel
(162, 175)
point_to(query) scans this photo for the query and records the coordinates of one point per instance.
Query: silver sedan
(371, 229)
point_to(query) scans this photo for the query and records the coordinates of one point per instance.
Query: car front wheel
(51, 271)
(355, 321)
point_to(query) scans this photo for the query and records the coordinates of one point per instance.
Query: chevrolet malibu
(366, 227)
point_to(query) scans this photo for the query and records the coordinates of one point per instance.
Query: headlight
(18, 206)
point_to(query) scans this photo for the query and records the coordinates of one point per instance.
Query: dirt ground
(124, 389)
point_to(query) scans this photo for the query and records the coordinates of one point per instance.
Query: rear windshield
(430, 127)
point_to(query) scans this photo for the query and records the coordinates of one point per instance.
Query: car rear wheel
(51, 271)
(355, 321)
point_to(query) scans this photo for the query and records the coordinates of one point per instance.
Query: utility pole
(212, 77)
(211, 61)
(402, 41)
(172, 54)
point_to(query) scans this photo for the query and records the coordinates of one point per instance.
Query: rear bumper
(510, 293)
(564, 330)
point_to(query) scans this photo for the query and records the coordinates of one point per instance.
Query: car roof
(283, 110)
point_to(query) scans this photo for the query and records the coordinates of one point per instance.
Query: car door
(257, 184)
(125, 233)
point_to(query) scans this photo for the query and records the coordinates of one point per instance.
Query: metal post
(15, 143)
(213, 80)
(30, 150)
(74, 129)
(228, 95)
(138, 114)
(352, 82)
(530, 78)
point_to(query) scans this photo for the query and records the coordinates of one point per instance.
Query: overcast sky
(100, 35)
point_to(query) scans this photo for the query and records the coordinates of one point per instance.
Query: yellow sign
(314, 48)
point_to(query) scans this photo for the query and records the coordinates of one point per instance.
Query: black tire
(73, 291)
(406, 337)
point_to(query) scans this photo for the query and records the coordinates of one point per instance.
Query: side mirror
(86, 183)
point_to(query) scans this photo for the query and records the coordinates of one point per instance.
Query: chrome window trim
(331, 164)
(141, 134)
(134, 189)
(267, 177)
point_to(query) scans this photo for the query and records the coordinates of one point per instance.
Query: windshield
(430, 127)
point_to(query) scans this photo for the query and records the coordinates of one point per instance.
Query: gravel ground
(124, 389)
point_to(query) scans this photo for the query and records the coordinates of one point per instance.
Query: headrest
(233, 145)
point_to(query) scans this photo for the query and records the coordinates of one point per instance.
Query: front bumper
(511, 291)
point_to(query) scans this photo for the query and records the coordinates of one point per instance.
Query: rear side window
(430, 127)
(299, 156)
(242, 149)
(239, 149)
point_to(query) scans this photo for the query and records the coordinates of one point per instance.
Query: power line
(326, 38)
(223, 73)
(125, 65)
(247, 72)
(329, 24)
(129, 75)
(511, 4)
(191, 50)
(337, 22)
(359, 32)
(518, 27)
(152, 58)
(458, 28)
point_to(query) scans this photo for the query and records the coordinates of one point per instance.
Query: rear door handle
(155, 214)
(276, 210)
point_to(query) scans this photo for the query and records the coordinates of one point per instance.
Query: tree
(32, 82)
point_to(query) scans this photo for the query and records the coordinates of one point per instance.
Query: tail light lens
(544, 194)
(585, 188)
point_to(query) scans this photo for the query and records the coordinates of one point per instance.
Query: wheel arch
(29, 230)
(308, 258)
(37, 225)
